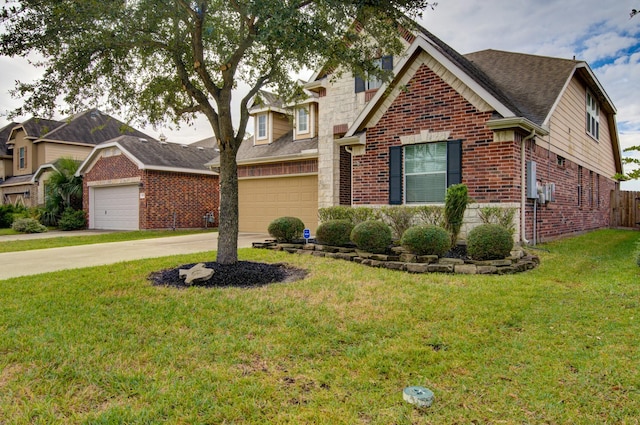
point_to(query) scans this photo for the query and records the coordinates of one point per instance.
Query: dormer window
(593, 116)
(302, 120)
(372, 82)
(262, 126)
(22, 158)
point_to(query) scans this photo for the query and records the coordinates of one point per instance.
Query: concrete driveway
(23, 263)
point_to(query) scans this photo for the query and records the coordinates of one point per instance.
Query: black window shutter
(359, 84)
(454, 162)
(395, 175)
(387, 63)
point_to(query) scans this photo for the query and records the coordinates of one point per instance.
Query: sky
(601, 33)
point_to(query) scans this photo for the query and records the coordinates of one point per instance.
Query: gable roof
(90, 127)
(4, 137)
(35, 128)
(149, 154)
(533, 83)
(283, 149)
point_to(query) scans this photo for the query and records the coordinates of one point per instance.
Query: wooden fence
(625, 209)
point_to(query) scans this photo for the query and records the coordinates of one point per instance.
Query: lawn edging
(401, 260)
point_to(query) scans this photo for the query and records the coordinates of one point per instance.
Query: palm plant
(63, 190)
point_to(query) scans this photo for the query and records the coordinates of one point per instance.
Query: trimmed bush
(431, 214)
(426, 240)
(399, 218)
(72, 220)
(455, 203)
(354, 214)
(372, 236)
(334, 232)
(286, 229)
(28, 225)
(489, 242)
(498, 215)
(6, 215)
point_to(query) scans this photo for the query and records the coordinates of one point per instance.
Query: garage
(263, 200)
(114, 207)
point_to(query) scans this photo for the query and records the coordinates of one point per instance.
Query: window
(421, 173)
(262, 126)
(593, 116)
(22, 158)
(560, 161)
(579, 185)
(385, 63)
(425, 168)
(302, 120)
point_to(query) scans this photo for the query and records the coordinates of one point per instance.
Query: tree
(168, 60)
(63, 190)
(633, 174)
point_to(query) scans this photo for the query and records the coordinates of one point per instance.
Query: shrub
(497, 215)
(72, 220)
(28, 225)
(6, 215)
(372, 236)
(426, 240)
(489, 242)
(455, 203)
(399, 218)
(354, 214)
(286, 229)
(334, 232)
(431, 214)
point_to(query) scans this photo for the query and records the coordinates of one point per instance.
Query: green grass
(60, 241)
(555, 345)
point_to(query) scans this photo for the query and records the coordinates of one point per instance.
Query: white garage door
(114, 207)
(263, 200)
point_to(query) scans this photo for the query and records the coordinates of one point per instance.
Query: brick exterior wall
(429, 103)
(490, 167)
(574, 210)
(189, 196)
(278, 169)
(345, 177)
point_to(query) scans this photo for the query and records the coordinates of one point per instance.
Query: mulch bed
(243, 274)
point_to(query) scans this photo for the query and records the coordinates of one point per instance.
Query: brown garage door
(262, 200)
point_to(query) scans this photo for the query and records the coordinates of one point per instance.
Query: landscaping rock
(440, 268)
(427, 259)
(466, 268)
(309, 247)
(408, 258)
(394, 265)
(487, 269)
(319, 253)
(417, 268)
(451, 261)
(197, 273)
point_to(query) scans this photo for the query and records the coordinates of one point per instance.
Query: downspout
(523, 189)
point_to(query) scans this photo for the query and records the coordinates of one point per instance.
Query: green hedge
(426, 240)
(372, 236)
(286, 229)
(489, 242)
(334, 232)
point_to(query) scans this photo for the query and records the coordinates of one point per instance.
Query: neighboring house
(278, 165)
(132, 183)
(533, 133)
(6, 153)
(32, 147)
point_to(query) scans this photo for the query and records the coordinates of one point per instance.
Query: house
(132, 183)
(30, 149)
(278, 165)
(536, 134)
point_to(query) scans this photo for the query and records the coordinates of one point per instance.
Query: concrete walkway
(24, 263)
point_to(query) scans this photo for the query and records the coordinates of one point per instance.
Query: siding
(569, 137)
(52, 151)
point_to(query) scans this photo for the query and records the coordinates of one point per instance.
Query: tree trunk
(228, 222)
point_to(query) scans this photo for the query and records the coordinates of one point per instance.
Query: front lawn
(88, 239)
(558, 344)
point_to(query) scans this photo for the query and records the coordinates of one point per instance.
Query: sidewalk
(24, 263)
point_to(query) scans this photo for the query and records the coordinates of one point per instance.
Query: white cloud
(589, 29)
